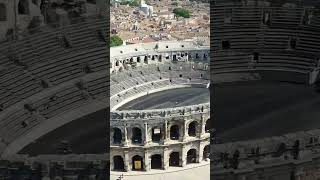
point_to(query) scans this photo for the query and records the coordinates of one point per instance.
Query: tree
(181, 12)
(135, 3)
(115, 41)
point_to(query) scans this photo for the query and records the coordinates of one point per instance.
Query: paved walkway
(199, 171)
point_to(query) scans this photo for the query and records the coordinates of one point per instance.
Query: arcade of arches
(158, 133)
(175, 158)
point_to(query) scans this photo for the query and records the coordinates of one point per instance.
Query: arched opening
(207, 126)
(174, 58)
(156, 134)
(204, 56)
(136, 135)
(146, 59)
(118, 163)
(174, 132)
(3, 12)
(137, 163)
(117, 63)
(192, 129)
(192, 156)
(138, 59)
(117, 136)
(174, 159)
(156, 162)
(23, 7)
(206, 152)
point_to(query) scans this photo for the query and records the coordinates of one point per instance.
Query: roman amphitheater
(147, 139)
(53, 104)
(266, 71)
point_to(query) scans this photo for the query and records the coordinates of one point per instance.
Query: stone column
(166, 134)
(183, 156)
(200, 156)
(165, 158)
(111, 136)
(146, 160)
(146, 140)
(185, 130)
(202, 127)
(125, 135)
(127, 161)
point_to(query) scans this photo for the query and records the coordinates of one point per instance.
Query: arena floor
(169, 99)
(85, 136)
(259, 109)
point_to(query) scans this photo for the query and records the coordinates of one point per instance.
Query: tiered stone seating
(39, 76)
(64, 100)
(244, 42)
(146, 78)
(16, 123)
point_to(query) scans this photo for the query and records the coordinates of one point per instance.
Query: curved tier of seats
(262, 38)
(129, 84)
(50, 73)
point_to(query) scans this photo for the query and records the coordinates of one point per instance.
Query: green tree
(181, 12)
(115, 41)
(135, 3)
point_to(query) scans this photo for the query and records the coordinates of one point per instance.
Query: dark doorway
(136, 136)
(118, 163)
(117, 136)
(192, 156)
(192, 129)
(174, 132)
(174, 58)
(3, 12)
(156, 162)
(174, 159)
(207, 126)
(23, 7)
(206, 152)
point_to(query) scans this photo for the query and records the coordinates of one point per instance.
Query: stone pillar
(146, 140)
(183, 156)
(125, 135)
(111, 136)
(200, 152)
(202, 127)
(127, 161)
(185, 130)
(146, 160)
(165, 158)
(166, 133)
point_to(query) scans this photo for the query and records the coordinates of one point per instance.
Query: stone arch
(117, 136)
(192, 156)
(3, 12)
(174, 159)
(145, 59)
(136, 135)
(174, 132)
(192, 128)
(118, 163)
(156, 134)
(206, 152)
(137, 163)
(156, 161)
(207, 126)
(23, 7)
